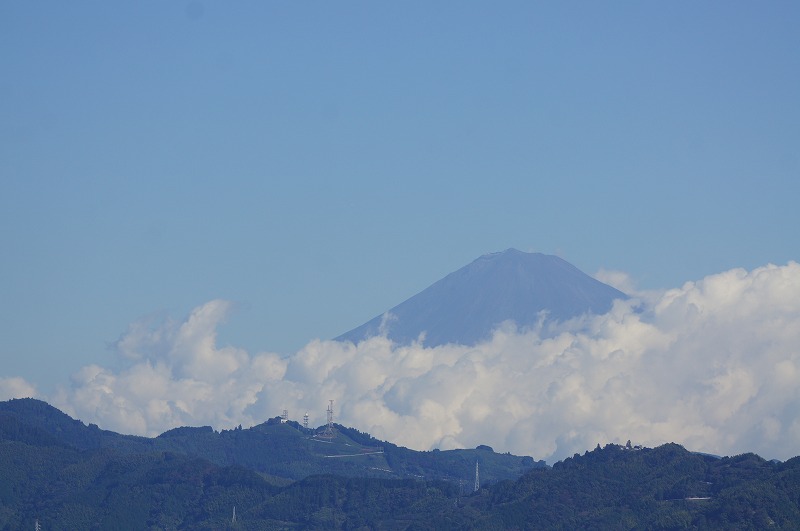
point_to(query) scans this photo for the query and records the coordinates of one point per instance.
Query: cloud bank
(713, 365)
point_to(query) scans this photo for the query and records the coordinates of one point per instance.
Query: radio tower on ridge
(477, 477)
(329, 428)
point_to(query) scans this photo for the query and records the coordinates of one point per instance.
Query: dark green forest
(66, 475)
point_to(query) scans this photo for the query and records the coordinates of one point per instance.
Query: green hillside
(69, 476)
(283, 451)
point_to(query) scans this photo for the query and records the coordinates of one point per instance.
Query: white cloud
(617, 279)
(713, 365)
(16, 387)
(178, 377)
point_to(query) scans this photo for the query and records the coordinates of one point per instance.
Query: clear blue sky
(319, 162)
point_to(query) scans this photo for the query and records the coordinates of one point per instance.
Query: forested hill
(627, 488)
(283, 451)
(613, 488)
(69, 476)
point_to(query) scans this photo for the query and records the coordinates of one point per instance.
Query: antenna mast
(329, 428)
(305, 420)
(477, 477)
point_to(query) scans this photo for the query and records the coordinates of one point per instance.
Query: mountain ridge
(614, 487)
(283, 450)
(467, 305)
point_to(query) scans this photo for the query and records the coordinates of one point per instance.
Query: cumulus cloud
(713, 365)
(16, 387)
(176, 376)
(617, 279)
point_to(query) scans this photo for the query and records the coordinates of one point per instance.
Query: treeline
(69, 476)
(610, 488)
(662, 488)
(283, 451)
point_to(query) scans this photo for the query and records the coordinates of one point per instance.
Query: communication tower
(305, 420)
(285, 416)
(477, 477)
(329, 428)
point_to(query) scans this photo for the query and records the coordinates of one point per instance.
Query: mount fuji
(467, 305)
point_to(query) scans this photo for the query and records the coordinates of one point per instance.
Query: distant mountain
(466, 306)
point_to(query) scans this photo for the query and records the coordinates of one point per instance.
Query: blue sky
(317, 163)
